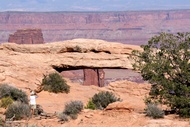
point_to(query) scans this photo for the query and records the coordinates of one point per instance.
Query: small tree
(55, 83)
(165, 63)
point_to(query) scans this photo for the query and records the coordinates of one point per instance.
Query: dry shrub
(103, 99)
(154, 111)
(18, 111)
(55, 83)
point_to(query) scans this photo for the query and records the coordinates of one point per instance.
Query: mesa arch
(25, 64)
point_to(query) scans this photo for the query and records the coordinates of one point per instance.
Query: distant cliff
(132, 27)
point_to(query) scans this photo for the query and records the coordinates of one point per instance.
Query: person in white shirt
(33, 97)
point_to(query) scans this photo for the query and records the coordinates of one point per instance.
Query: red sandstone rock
(94, 77)
(27, 36)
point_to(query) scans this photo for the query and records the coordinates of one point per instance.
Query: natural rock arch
(32, 61)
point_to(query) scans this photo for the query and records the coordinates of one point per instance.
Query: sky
(91, 5)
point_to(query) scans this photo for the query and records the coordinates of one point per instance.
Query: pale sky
(92, 5)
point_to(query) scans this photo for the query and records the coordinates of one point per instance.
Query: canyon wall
(132, 27)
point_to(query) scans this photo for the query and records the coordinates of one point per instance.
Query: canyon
(130, 27)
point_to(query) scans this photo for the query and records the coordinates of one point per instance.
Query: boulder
(120, 106)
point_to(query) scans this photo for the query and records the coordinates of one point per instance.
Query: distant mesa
(27, 36)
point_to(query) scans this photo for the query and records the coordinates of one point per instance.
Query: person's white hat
(32, 92)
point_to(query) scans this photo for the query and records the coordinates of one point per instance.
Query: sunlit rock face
(26, 64)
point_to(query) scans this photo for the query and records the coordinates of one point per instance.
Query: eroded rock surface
(25, 64)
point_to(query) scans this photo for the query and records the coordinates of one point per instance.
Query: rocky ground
(128, 113)
(23, 66)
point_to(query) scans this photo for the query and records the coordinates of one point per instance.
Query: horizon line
(93, 11)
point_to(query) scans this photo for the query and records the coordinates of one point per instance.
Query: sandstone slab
(25, 64)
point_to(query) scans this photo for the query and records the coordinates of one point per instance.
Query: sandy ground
(131, 93)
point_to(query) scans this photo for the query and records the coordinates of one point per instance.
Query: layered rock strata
(27, 36)
(25, 64)
(131, 27)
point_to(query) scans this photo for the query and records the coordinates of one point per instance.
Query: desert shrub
(90, 105)
(55, 83)
(18, 110)
(154, 111)
(2, 122)
(6, 101)
(73, 108)
(63, 117)
(103, 99)
(14, 93)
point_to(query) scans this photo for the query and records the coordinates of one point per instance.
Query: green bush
(103, 99)
(55, 83)
(90, 105)
(73, 108)
(14, 93)
(184, 112)
(154, 111)
(18, 110)
(6, 102)
(164, 62)
(184, 106)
